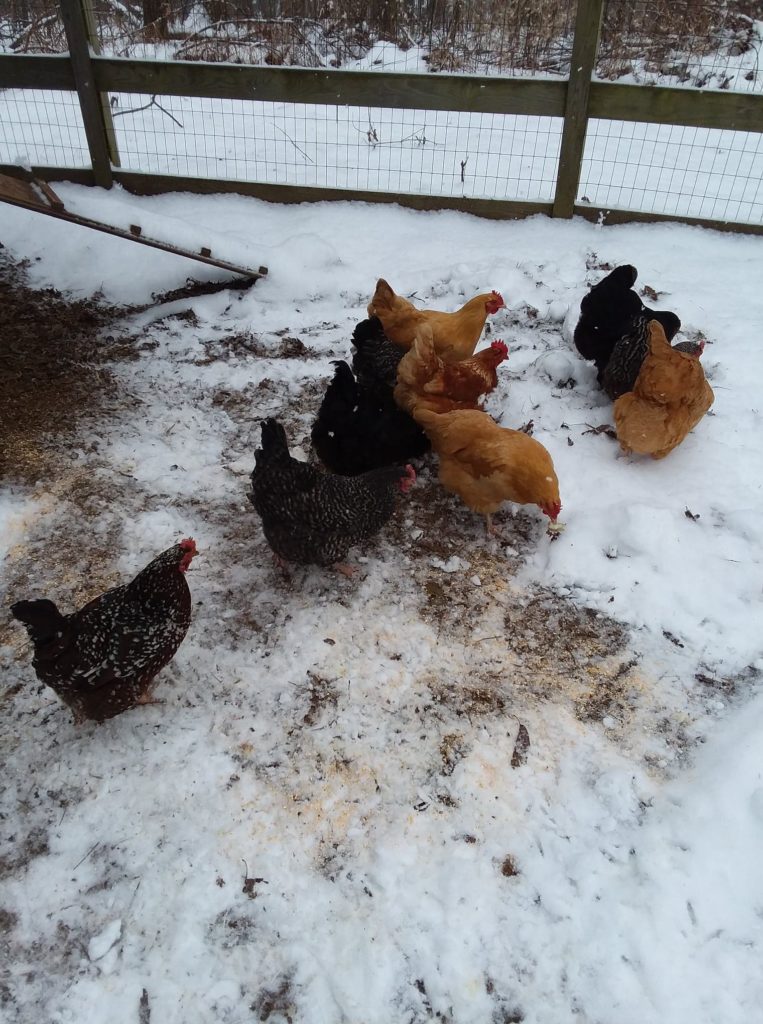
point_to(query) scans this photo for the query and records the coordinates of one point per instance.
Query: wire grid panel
(478, 155)
(704, 43)
(670, 169)
(43, 128)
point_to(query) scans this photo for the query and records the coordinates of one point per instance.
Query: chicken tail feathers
(275, 447)
(343, 389)
(623, 276)
(669, 322)
(41, 618)
(367, 330)
(335, 429)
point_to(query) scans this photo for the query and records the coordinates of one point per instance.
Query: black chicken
(612, 314)
(358, 429)
(314, 517)
(376, 359)
(102, 659)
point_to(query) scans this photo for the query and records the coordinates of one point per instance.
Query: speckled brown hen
(102, 659)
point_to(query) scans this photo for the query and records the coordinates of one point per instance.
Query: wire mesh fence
(43, 128)
(673, 170)
(423, 152)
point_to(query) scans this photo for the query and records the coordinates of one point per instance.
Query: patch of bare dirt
(276, 1002)
(247, 344)
(53, 369)
(534, 642)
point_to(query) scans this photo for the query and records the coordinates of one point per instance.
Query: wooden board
(352, 88)
(12, 190)
(40, 198)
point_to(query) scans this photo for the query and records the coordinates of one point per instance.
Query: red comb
(495, 302)
(188, 547)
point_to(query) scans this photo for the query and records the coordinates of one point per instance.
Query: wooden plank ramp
(36, 195)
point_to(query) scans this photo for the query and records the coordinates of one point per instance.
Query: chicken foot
(146, 698)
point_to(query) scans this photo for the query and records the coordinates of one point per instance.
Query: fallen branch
(291, 140)
(153, 103)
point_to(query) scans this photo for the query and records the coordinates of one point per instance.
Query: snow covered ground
(324, 823)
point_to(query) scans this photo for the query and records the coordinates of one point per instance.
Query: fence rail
(576, 102)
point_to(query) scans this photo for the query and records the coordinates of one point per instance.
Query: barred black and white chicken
(375, 359)
(630, 350)
(313, 517)
(102, 659)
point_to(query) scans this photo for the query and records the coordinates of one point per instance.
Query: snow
(15, 513)
(322, 823)
(100, 944)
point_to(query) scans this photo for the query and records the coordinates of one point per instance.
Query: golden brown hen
(670, 397)
(485, 464)
(424, 379)
(455, 334)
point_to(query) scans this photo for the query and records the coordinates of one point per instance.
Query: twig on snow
(291, 140)
(153, 103)
(91, 850)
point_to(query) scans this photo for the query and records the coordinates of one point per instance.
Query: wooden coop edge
(37, 196)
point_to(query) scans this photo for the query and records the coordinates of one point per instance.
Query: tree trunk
(154, 20)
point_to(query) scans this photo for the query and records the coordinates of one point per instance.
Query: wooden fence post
(94, 116)
(585, 46)
(92, 36)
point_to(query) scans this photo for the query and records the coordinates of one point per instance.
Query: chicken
(314, 517)
(455, 334)
(358, 429)
(423, 377)
(613, 316)
(622, 369)
(670, 397)
(375, 359)
(102, 659)
(485, 464)
(469, 379)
